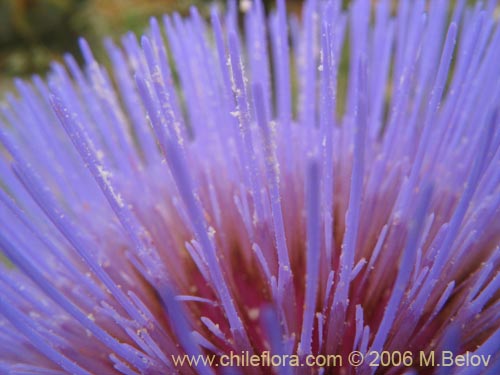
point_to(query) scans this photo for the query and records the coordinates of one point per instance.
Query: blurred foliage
(35, 32)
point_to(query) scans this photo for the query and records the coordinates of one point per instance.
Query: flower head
(185, 203)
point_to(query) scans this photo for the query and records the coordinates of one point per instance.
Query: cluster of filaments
(191, 203)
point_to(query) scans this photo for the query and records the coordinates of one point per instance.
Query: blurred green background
(35, 32)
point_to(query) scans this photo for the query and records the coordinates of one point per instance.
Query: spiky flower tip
(183, 212)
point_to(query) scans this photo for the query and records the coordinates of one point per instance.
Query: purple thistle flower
(185, 202)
